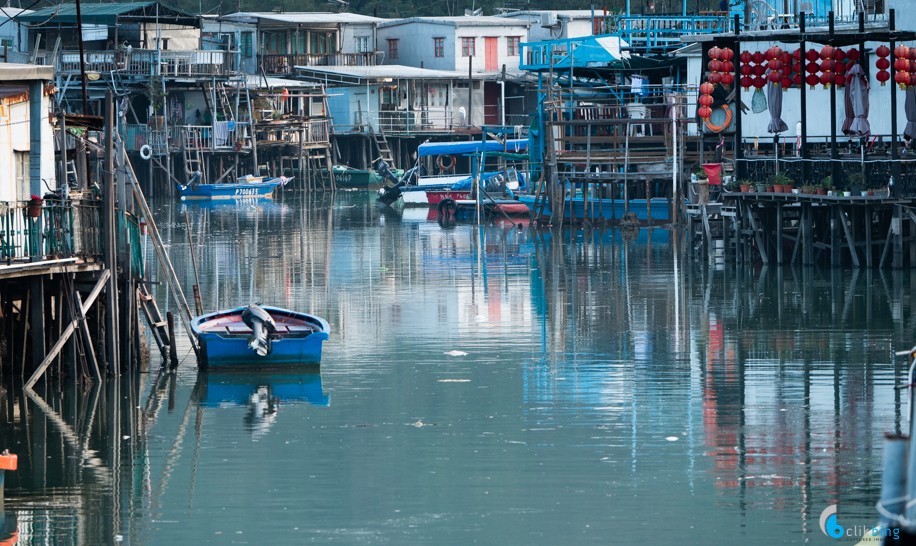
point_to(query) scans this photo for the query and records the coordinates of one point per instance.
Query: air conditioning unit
(549, 20)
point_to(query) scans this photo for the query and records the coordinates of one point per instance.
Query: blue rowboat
(237, 388)
(226, 340)
(248, 187)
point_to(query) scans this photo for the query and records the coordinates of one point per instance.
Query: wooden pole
(173, 351)
(109, 241)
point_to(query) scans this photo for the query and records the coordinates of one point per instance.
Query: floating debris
(672, 438)
(454, 381)
(456, 353)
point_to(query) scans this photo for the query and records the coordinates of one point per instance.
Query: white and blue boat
(259, 336)
(246, 187)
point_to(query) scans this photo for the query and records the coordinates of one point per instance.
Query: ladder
(384, 151)
(190, 145)
(71, 177)
(319, 161)
(157, 325)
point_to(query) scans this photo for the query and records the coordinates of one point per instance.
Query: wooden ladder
(157, 325)
(384, 151)
(190, 145)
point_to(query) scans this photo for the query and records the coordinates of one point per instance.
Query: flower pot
(770, 189)
(761, 188)
(745, 188)
(788, 188)
(34, 210)
(777, 188)
(863, 193)
(847, 194)
(796, 191)
(821, 191)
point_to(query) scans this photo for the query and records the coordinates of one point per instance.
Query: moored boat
(259, 336)
(348, 177)
(246, 187)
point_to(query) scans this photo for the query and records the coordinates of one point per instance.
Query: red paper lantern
(728, 78)
(797, 55)
(746, 57)
(727, 54)
(705, 100)
(827, 52)
(775, 64)
(773, 53)
(746, 70)
(881, 51)
(714, 65)
(900, 51)
(714, 77)
(900, 63)
(883, 76)
(707, 88)
(704, 112)
(758, 58)
(912, 80)
(714, 52)
(760, 70)
(902, 78)
(911, 66)
(786, 82)
(812, 80)
(839, 79)
(911, 53)
(812, 55)
(775, 77)
(796, 79)
(746, 82)
(826, 78)
(883, 64)
(812, 68)
(728, 66)
(759, 82)
(839, 68)
(826, 65)
(839, 55)
(853, 55)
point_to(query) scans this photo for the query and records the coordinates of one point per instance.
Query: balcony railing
(50, 230)
(313, 132)
(647, 34)
(285, 64)
(147, 62)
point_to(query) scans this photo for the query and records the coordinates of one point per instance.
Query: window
(437, 94)
(362, 44)
(322, 43)
(245, 44)
(21, 166)
(392, 48)
(467, 47)
(439, 47)
(512, 45)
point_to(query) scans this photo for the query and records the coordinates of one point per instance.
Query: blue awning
(471, 147)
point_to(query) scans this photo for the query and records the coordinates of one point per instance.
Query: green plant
(731, 185)
(781, 179)
(827, 182)
(855, 179)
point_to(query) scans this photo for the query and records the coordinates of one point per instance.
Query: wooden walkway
(780, 228)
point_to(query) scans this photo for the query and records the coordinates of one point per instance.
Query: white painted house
(283, 41)
(450, 43)
(556, 24)
(17, 180)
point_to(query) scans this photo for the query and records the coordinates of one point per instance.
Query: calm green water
(480, 386)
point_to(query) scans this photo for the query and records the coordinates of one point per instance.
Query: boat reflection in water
(263, 392)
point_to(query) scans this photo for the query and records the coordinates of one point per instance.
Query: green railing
(50, 230)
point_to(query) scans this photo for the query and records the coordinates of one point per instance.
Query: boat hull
(416, 196)
(658, 209)
(240, 190)
(223, 339)
(345, 177)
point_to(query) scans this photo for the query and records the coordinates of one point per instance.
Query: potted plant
(34, 206)
(782, 183)
(826, 185)
(732, 186)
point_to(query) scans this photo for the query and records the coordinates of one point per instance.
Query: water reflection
(262, 393)
(568, 383)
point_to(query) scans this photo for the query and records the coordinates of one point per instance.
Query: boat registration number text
(246, 191)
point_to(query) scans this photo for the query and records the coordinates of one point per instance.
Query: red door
(491, 47)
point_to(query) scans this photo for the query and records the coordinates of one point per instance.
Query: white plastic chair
(636, 110)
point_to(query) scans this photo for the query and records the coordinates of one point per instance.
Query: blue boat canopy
(472, 147)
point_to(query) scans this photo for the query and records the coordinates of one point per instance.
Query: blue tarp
(471, 147)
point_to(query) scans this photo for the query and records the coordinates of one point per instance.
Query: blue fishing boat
(259, 336)
(655, 210)
(246, 187)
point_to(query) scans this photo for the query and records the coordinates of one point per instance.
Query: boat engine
(262, 326)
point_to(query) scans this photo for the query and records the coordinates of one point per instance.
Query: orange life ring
(440, 162)
(725, 124)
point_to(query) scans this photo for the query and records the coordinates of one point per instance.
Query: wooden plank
(758, 236)
(65, 335)
(850, 241)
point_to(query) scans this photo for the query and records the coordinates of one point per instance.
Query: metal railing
(50, 230)
(285, 63)
(662, 33)
(147, 62)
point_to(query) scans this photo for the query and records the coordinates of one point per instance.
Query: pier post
(779, 253)
(109, 242)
